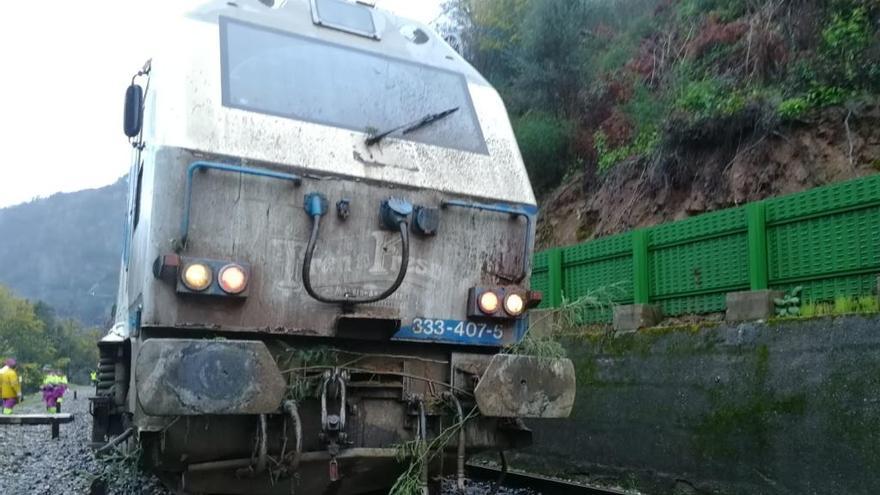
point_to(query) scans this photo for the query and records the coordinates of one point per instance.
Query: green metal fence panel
(695, 262)
(713, 224)
(826, 240)
(540, 280)
(825, 246)
(554, 277)
(759, 278)
(827, 289)
(602, 265)
(602, 268)
(836, 197)
(690, 272)
(641, 275)
(696, 304)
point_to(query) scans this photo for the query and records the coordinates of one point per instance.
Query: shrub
(790, 304)
(793, 108)
(544, 142)
(645, 143)
(645, 109)
(842, 305)
(844, 41)
(709, 98)
(826, 96)
(31, 376)
(726, 10)
(868, 304)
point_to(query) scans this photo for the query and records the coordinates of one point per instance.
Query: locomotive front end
(327, 251)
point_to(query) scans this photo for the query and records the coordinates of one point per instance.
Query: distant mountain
(65, 250)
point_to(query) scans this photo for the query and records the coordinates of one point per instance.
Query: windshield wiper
(412, 127)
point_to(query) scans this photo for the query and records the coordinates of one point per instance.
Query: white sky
(64, 66)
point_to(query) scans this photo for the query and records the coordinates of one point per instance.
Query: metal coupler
(333, 425)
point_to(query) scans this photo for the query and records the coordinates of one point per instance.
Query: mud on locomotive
(327, 247)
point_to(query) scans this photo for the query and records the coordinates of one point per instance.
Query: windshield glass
(278, 73)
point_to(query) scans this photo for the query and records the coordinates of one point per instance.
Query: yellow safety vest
(10, 388)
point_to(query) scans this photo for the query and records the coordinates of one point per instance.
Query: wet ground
(31, 463)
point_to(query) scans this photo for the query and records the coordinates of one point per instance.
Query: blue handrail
(200, 165)
(527, 212)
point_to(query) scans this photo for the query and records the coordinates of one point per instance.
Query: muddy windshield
(282, 74)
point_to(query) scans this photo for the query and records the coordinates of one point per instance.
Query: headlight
(197, 276)
(514, 304)
(500, 303)
(488, 302)
(233, 279)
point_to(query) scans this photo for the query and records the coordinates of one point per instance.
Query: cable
(307, 268)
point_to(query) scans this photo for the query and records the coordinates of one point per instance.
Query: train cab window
(282, 74)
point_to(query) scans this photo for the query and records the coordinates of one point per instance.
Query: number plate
(459, 332)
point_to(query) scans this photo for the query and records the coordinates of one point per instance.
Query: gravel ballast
(33, 463)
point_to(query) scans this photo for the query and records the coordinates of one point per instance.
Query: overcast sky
(64, 66)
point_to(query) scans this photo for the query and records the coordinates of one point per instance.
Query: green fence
(826, 240)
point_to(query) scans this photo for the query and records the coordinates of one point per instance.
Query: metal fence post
(554, 275)
(641, 281)
(759, 278)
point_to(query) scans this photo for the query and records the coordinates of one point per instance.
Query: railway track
(541, 484)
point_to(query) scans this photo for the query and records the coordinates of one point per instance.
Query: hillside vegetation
(631, 112)
(65, 250)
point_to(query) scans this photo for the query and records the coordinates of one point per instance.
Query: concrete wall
(787, 408)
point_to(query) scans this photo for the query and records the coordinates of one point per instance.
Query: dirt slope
(697, 176)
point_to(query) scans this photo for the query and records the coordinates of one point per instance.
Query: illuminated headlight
(501, 303)
(197, 276)
(514, 304)
(232, 279)
(488, 302)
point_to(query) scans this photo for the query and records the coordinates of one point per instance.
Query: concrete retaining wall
(787, 408)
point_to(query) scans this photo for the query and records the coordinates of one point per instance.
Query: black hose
(307, 268)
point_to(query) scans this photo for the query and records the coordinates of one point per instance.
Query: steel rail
(542, 484)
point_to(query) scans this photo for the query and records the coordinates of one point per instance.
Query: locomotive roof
(191, 105)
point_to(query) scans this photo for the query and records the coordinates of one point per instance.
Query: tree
(35, 337)
(549, 63)
(24, 333)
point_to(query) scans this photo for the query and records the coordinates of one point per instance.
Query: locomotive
(326, 256)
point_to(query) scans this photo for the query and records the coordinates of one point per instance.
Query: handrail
(190, 172)
(514, 210)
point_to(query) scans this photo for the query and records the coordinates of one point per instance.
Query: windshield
(282, 74)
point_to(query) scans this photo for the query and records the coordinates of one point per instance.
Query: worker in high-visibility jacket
(48, 389)
(10, 387)
(53, 387)
(93, 375)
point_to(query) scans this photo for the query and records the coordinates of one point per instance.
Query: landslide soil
(697, 175)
